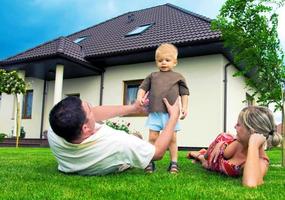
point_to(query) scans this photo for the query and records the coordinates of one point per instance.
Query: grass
(31, 173)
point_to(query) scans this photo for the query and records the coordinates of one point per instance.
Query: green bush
(122, 126)
(2, 136)
(22, 133)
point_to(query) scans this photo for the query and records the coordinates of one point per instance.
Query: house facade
(104, 65)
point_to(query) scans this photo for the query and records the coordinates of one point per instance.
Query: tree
(249, 31)
(11, 83)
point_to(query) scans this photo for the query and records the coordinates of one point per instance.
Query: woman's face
(243, 133)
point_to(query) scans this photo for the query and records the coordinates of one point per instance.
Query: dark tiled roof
(170, 24)
(59, 46)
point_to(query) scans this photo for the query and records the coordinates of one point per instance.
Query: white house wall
(31, 126)
(7, 114)
(204, 76)
(88, 88)
(236, 97)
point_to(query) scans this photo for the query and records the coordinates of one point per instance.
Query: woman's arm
(231, 149)
(255, 168)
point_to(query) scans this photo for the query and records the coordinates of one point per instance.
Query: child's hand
(144, 101)
(184, 113)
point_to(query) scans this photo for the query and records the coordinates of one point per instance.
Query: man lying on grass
(83, 146)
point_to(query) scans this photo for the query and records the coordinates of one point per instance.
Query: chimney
(131, 18)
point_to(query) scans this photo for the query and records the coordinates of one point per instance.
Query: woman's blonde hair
(260, 120)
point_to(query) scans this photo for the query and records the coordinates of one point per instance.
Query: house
(104, 64)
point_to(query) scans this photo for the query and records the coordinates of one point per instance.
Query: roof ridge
(40, 45)
(190, 12)
(113, 19)
(60, 45)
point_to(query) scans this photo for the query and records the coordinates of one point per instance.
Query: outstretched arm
(164, 139)
(255, 168)
(106, 112)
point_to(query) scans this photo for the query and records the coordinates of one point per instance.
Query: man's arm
(106, 112)
(164, 139)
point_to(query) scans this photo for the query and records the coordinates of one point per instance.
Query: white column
(21, 74)
(58, 83)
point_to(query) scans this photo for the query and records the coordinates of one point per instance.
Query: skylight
(79, 39)
(139, 30)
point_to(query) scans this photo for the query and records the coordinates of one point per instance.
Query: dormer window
(78, 40)
(138, 30)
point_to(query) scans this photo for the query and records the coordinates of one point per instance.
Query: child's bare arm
(184, 102)
(140, 95)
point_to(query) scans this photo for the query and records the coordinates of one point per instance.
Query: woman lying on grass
(244, 154)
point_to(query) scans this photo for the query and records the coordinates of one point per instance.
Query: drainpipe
(43, 108)
(101, 89)
(225, 94)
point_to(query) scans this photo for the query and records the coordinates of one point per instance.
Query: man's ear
(84, 128)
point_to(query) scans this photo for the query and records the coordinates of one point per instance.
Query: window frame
(25, 105)
(134, 31)
(125, 93)
(79, 39)
(73, 95)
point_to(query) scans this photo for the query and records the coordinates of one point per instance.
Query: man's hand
(173, 110)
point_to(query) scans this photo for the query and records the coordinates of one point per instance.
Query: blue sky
(28, 23)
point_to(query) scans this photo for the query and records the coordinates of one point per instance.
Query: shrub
(2, 136)
(122, 126)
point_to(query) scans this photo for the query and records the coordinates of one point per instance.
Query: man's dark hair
(67, 118)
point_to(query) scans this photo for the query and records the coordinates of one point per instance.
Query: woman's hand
(256, 139)
(216, 152)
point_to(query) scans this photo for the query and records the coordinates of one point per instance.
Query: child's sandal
(150, 168)
(173, 167)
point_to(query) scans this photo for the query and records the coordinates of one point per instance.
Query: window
(73, 95)
(138, 30)
(130, 91)
(0, 100)
(78, 40)
(27, 105)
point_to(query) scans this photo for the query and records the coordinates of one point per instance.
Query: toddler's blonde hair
(166, 48)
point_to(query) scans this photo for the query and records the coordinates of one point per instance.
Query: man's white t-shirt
(106, 151)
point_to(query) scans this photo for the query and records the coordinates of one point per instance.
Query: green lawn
(31, 173)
